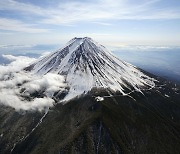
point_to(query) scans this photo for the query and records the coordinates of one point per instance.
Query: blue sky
(110, 22)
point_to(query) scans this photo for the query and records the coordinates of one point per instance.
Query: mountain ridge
(141, 118)
(82, 60)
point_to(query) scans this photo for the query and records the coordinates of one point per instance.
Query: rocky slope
(119, 109)
(87, 64)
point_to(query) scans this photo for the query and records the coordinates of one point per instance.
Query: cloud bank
(144, 48)
(26, 91)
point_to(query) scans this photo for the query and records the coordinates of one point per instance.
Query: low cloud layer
(143, 48)
(24, 90)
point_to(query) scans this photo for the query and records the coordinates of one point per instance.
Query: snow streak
(85, 64)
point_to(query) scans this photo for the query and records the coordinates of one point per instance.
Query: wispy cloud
(100, 11)
(144, 48)
(19, 26)
(16, 46)
(127, 21)
(20, 6)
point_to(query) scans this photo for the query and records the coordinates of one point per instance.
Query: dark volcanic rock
(148, 123)
(140, 116)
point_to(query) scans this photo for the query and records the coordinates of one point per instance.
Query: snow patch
(87, 64)
(99, 99)
(166, 95)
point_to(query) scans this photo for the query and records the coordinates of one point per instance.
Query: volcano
(109, 106)
(87, 64)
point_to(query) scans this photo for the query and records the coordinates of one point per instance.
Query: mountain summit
(119, 109)
(87, 64)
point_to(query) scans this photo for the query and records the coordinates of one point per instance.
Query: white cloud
(16, 84)
(19, 26)
(16, 46)
(9, 98)
(100, 12)
(144, 48)
(16, 65)
(44, 54)
(49, 82)
(19, 6)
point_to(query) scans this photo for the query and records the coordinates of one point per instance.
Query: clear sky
(111, 22)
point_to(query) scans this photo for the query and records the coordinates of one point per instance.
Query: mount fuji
(109, 106)
(87, 64)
